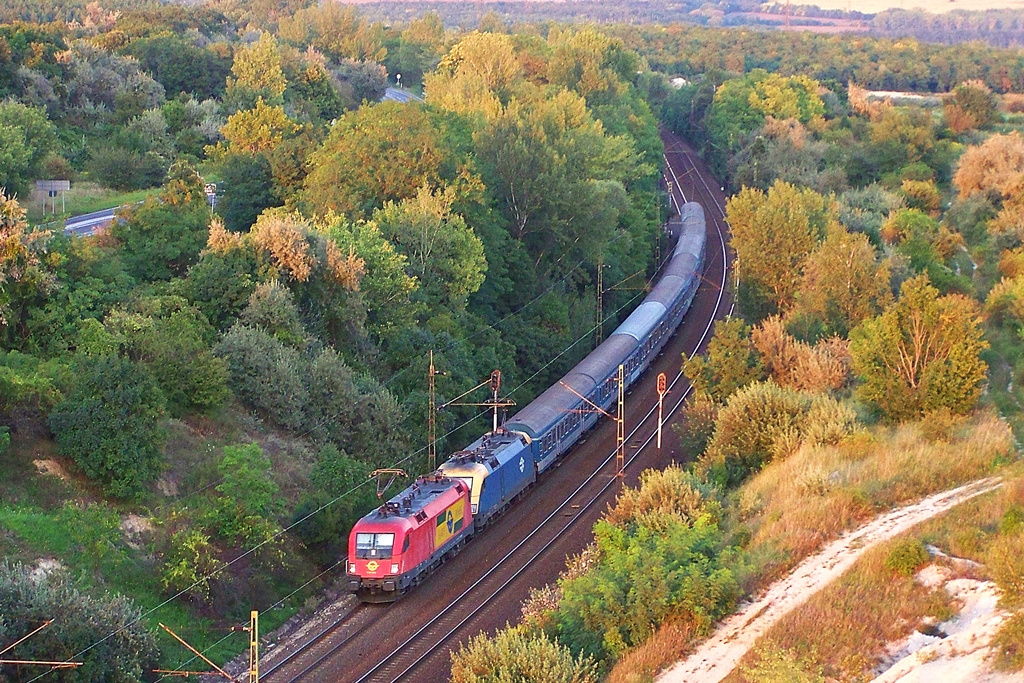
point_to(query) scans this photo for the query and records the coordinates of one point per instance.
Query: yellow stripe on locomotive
(449, 523)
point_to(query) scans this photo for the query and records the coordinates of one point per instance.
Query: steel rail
(500, 564)
(311, 642)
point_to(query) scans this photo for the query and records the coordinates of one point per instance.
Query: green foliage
(1009, 644)
(29, 388)
(1005, 561)
(763, 422)
(245, 472)
(517, 654)
(923, 353)
(271, 308)
(907, 556)
(187, 564)
(109, 424)
(643, 576)
(732, 362)
(5, 439)
(163, 236)
(28, 598)
(179, 66)
(257, 73)
(246, 188)
(121, 168)
(26, 138)
(663, 497)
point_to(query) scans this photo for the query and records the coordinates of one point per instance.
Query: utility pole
(495, 402)
(662, 388)
(599, 337)
(620, 432)
(254, 647)
(432, 415)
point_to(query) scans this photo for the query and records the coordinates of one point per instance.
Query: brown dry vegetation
(844, 629)
(791, 508)
(795, 505)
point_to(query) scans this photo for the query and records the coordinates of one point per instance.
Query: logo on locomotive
(449, 523)
(371, 566)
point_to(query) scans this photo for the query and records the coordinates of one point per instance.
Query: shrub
(188, 563)
(776, 665)
(516, 654)
(644, 576)
(28, 597)
(1005, 561)
(907, 556)
(124, 169)
(5, 439)
(109, 424)
(664, 496)
(1009, 644)
(266, 374)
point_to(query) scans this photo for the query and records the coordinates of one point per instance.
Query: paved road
(399, 95)
(89, 224)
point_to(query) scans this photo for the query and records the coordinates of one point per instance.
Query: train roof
(428, 495)
(492, 449)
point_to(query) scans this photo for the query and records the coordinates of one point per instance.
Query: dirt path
(720, 654)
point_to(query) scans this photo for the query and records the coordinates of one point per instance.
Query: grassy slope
(794, 506)
(61, 517)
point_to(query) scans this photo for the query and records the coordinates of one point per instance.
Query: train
(396, 546)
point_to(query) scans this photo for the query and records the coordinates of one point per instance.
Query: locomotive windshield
(374, 545)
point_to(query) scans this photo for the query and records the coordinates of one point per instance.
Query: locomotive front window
(374, 545)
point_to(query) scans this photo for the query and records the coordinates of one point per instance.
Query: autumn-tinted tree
(257, 73)
(260, 129)
(843, 282)
(23, 271)
(972, 106)
(380, 153)
(731, 362)
(773, 233)
(921, 354)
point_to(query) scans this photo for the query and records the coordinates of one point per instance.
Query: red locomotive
(394, 547)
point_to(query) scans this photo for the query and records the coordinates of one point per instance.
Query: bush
(188, 563)
(907, 556)
(1005, 561)
(1009, 644)
(664, 496)
(5, 439)
(109, 424)
(644, 576)
(266, 374)
(516, 654)
(29, 597)
(124, 169)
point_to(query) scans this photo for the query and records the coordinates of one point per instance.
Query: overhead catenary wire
(355, 488)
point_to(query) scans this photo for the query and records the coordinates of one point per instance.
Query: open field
(936, 6)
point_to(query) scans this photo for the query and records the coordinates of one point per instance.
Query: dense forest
(191, 401)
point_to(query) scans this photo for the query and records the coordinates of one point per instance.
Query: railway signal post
(662, 390)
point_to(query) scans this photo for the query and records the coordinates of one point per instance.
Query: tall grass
(790, 509)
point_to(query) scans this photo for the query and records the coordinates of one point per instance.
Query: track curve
(483, 587)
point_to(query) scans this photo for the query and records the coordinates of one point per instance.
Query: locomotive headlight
(352, 568)
(474, 507)
(394, 568)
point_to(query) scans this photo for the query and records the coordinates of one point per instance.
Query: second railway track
(484, 586)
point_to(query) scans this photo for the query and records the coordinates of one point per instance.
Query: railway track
(410, 640)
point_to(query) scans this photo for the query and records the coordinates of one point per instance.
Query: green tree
(773, 233)
(259, 129)
(246, 189)
(26, 138)
(732, 362)
(923, 353)
(516, 654)
(162, 237)
(443, 253)
(643, 576)
(109, 424)
(24, 274)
